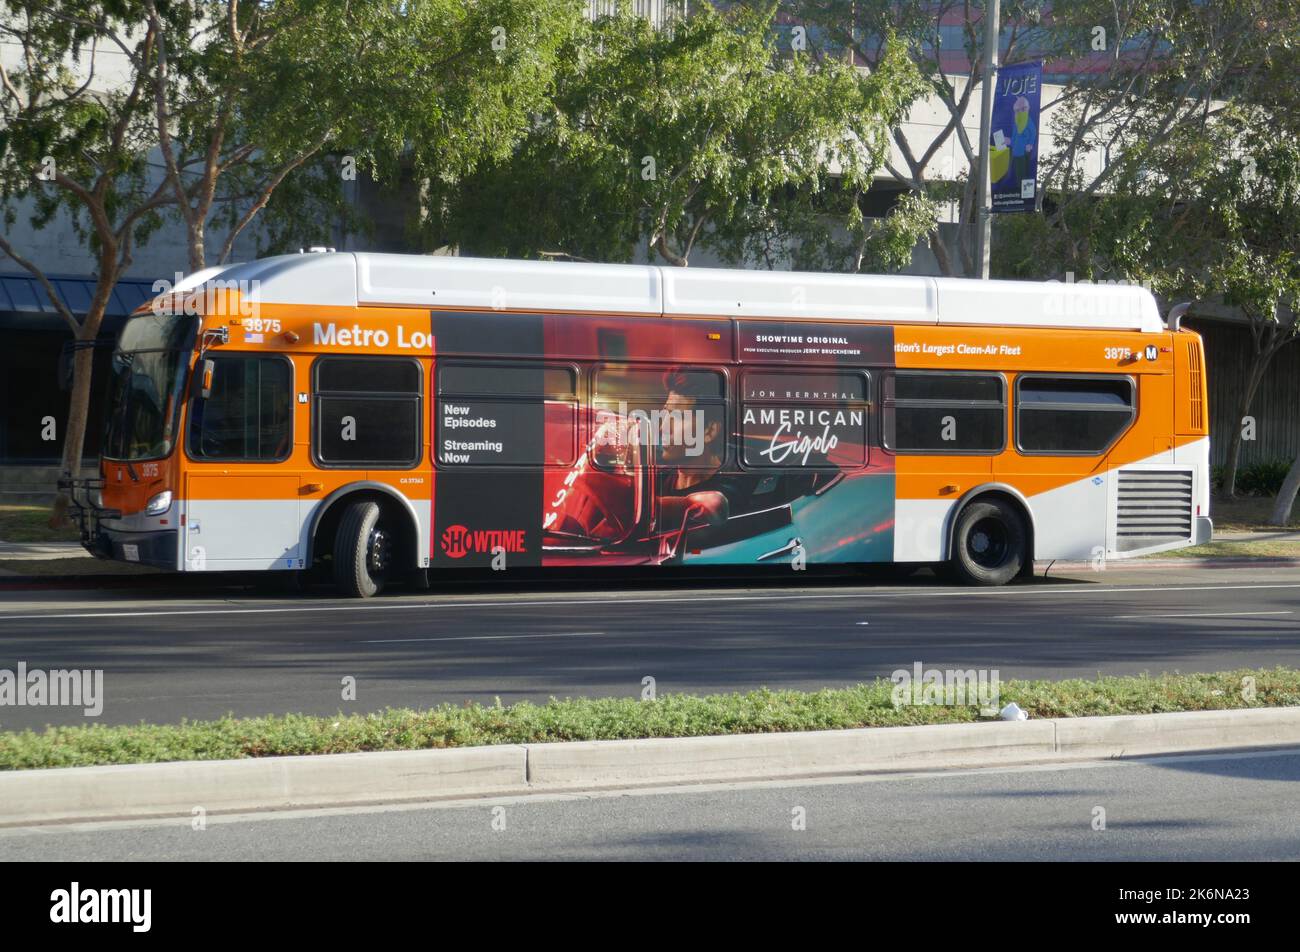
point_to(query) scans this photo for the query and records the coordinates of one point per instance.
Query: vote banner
(1013, 137)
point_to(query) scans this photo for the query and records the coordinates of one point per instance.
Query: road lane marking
(533, 634)
(674, 597)
(1204, 615)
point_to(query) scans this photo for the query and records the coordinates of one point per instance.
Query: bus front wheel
(990, 544)
(363, 550)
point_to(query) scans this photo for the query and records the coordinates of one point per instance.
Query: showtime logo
(458, 541)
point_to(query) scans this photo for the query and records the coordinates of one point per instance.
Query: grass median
(681, 715)
(20, 523)
(1246, 549)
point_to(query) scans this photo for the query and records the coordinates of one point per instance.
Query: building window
(367, 412)
(249, 415)
(936, 412)
(1072, 415)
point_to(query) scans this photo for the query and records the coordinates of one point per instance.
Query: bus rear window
(1072, 415)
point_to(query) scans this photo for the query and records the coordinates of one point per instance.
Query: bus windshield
(147, 375)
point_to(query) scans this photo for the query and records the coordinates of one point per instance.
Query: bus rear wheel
(990, 544)
(363, 550)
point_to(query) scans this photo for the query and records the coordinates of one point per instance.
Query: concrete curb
(595, 764)
(275, 783)
(1119, 565)
(237, 786)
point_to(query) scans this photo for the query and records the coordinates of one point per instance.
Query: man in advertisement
(692, 448)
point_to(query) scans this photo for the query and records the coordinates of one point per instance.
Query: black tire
(989, 545)
(363, 550)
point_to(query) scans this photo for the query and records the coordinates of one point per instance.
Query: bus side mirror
(209, 371)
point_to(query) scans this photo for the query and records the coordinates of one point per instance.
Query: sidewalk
(1270, 535)
(40, 550)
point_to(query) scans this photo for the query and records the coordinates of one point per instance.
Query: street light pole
(992, 29)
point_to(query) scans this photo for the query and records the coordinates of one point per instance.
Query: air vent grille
(1194, 385)
(1154, 508)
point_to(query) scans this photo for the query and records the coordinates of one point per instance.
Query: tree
(951, 69)
(1129, 71)
(1174, 77)
(705, 134)
(235, 99)
(1201, 198)
(70, 147)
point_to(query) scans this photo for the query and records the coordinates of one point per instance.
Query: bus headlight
(159, 504)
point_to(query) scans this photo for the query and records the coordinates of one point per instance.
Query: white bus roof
(360, 279)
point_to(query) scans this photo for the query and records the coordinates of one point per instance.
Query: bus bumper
(145, 548)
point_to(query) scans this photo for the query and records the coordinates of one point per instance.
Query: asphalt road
(1209, 807)
(201, 653)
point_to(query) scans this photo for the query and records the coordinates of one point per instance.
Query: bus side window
(679, 412)
(945, 412)
(506, 414)
(367, 412)
(249, 415)
(1072, 414)
(805, 419)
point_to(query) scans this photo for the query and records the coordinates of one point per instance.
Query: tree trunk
(198, 250)
(1286, 495)
(941, 254)
(674, 259)
(83, 366)
(74, 435)
(1230, 464)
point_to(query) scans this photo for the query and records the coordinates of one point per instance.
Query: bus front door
(242, 522)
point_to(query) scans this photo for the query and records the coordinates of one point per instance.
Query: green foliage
(706, 134)
(1263, 478)
(1258, 479)
(238, 105)
(1200, 195)
(51, 127)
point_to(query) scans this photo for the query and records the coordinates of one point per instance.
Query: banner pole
(984, 235)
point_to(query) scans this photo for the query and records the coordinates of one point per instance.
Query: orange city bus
(386, 417)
